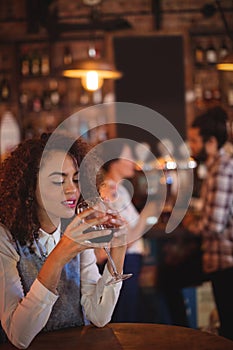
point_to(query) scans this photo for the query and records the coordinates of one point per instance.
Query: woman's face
(57, 190)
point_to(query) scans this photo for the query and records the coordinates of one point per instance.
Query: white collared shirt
(49, 240)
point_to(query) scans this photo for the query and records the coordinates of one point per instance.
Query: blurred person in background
(207, 137)
(119, 164)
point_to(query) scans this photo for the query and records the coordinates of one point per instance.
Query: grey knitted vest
(67, 311)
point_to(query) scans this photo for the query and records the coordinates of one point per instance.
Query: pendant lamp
(226, 64)
(92, 72)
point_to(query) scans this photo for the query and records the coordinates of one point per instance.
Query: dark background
(153, 76)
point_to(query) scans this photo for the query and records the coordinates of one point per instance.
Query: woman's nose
(71, 188)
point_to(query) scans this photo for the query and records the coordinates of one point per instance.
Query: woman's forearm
(50, 274)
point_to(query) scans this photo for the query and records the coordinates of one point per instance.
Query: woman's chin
(68, 213)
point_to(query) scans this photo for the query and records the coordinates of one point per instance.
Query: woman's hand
(83, 221)
(72, 243)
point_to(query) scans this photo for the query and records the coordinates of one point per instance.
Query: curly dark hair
(18, 180)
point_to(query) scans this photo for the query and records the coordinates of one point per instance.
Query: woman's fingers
(81, 216)
(84, 227)
(91, 238)
(87, 218)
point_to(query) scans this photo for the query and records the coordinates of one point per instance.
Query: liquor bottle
(24, 100)
(211, 54)
(35, 63)
(223, 51)
(4, 90)
(84, 97)
(54, 93)
(36, 103)
(67, 58)
(45, 64)
(25, 63)
(208, 94)
(198, 94)
(199, 55)
(97, 96)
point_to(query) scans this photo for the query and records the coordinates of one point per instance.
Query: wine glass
(103, 206)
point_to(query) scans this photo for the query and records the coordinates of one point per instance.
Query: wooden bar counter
(134, 336)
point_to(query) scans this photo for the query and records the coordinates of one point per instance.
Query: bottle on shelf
(4, 90)
(35, 63)
(208, 94)
(45, 64)
(25, 64)
(198, 94)
(24, 100)
(55, 97)
(97, 96)
(84, 97)
(223, 51)
(68, 57)
(36, 103)
(199, 55)
(211, 54)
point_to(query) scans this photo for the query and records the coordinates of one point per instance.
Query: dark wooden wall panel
(153, 68)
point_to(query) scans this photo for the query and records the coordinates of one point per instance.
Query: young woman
(48, 286)
(118, 165)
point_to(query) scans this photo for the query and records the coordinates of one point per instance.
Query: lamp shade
(226, 64)
(92, 72)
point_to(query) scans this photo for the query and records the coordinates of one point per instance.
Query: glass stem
(107, 250)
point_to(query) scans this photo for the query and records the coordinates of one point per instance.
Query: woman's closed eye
(76, 179)
(58, 182)
(57, 178)
(60, 179)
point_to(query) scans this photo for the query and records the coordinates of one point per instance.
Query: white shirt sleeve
(97, 299)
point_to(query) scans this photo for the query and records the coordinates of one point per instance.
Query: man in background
(207, 137)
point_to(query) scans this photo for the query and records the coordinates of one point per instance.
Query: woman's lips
(70, 203)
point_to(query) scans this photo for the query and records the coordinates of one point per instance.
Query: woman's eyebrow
(62, 174)
(57, 173)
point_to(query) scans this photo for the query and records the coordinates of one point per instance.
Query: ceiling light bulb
(92, 81)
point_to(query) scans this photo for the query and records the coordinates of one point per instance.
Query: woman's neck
(49, 228)
(47, 223)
